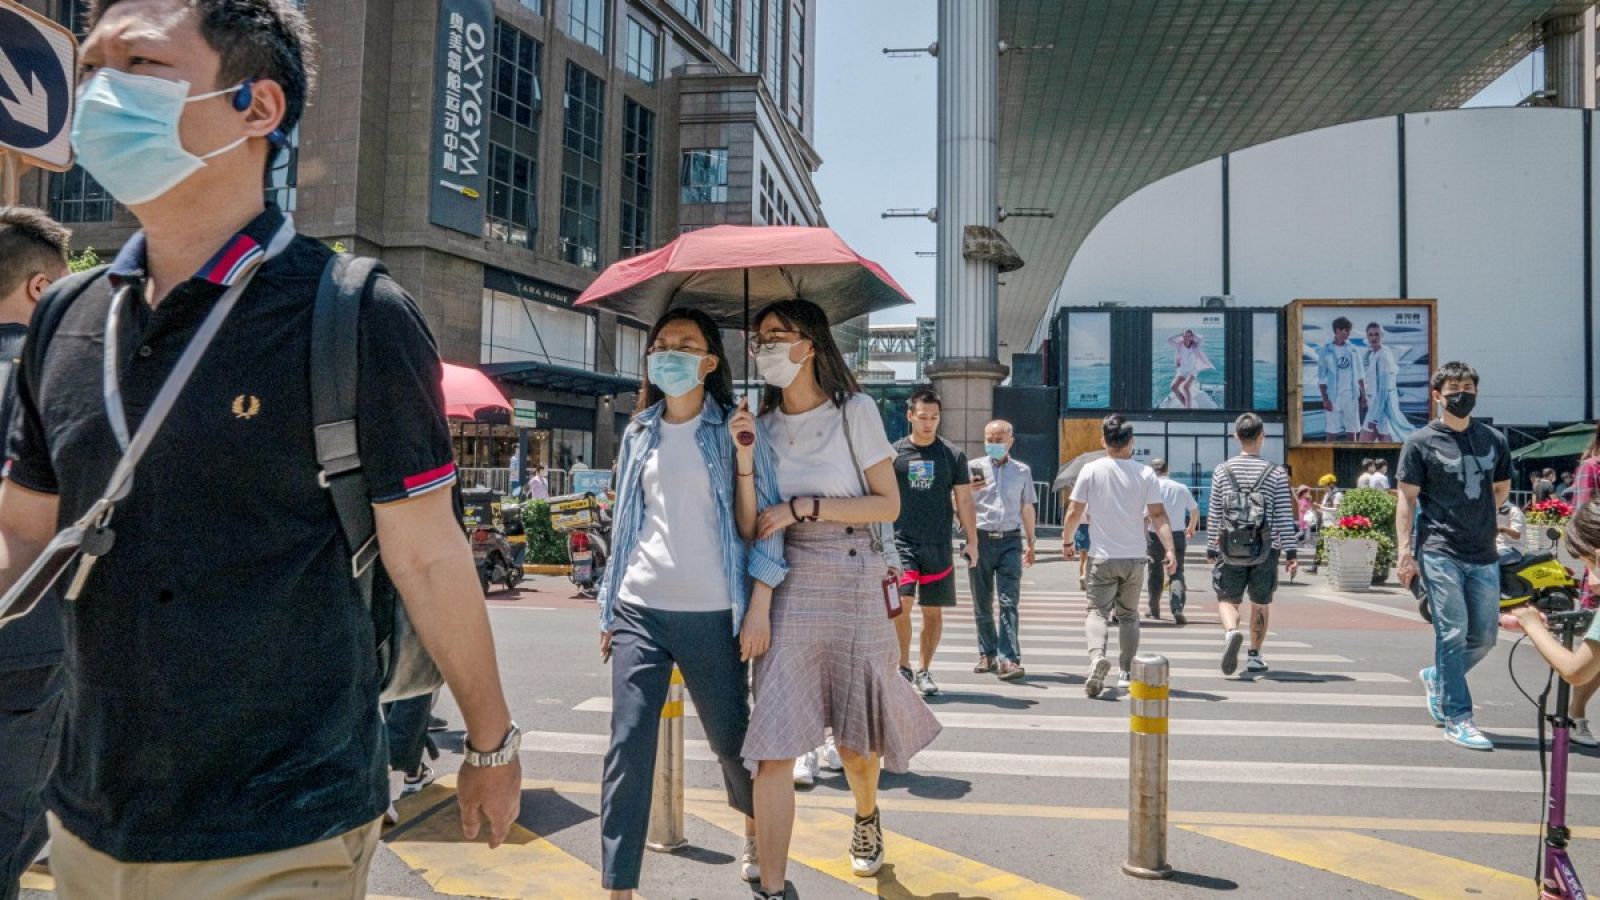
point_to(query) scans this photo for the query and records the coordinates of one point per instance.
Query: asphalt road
(1321, 778)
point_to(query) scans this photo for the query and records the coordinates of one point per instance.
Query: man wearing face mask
(221, 734)
(1002, 490)
(33, 253)
(1460, 471)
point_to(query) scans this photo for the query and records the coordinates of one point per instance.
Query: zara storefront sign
(458, 174)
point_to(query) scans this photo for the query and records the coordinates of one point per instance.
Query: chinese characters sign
(460, 132)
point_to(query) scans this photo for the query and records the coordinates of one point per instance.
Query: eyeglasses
(759, 342)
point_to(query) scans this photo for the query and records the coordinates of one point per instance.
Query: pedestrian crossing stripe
(911, 868)
(1394, 867)
(1190, 655)
(429, 840)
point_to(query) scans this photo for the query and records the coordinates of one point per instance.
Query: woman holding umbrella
(833, 655)
(685, 589)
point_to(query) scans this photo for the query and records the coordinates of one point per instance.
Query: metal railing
(1049, 509)
(498, 478)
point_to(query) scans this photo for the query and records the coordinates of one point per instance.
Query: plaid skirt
(834, 657)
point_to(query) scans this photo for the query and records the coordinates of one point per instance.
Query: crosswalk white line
(1175, 654)
(1028, 627)
(1341, 731)
(1145, 637)
(1115, 768)
(1081, 665)
(1181, 692)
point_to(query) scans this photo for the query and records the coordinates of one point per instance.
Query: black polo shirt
(222, 687)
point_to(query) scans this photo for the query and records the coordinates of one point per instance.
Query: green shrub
(545, 546)
(1379, 506)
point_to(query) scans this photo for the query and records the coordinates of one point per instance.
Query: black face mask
(1460, 404)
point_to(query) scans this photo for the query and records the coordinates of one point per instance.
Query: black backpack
(404, 667)
(1246, 538)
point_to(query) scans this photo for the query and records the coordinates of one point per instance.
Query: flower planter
(1534, 539)
(1350, 563)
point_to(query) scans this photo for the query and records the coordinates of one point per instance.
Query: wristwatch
(506, 752)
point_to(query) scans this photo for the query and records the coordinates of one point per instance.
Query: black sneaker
(756, 893)
(907, 675)
(1180, 619)
(1230, 651)
(866, 846)
(436, 723)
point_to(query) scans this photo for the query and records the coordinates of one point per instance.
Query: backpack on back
(1246, 538)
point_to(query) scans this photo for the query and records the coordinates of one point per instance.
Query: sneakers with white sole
(1124, 679)
(806, 770)
(1465, 734)
(828, 756)
(1581, 735)
(1430, 683)
(1231, 642)
(418, 780)
(924, 684)
(866, 846)
(750, 862)
(1254, 663)
(1097, 676)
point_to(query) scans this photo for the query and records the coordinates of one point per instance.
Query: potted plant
(1352, 552)
(1378, 507)
(1539, 519)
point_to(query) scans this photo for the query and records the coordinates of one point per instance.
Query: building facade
(498, 154)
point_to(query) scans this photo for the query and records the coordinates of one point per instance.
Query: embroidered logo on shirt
(246, 406)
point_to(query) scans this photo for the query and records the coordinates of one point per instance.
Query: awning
(561, 378)
(1569, 441)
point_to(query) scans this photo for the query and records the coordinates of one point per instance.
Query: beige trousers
(333, 869)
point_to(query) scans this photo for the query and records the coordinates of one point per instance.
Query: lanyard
(133, 449)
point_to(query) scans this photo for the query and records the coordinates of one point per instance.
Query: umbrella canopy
(730, 270)
(468, 392)
(1068, 476)
(1569, 441)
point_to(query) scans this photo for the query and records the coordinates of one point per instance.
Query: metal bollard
(1147, 769)
(666, 795)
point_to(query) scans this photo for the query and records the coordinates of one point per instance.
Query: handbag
(404, 667)
(881, 534)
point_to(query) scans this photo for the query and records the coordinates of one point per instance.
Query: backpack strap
(335, 369)
(1228, 471)
(1262, 481)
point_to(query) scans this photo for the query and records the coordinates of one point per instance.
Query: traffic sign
(38, 65)
(525, 413)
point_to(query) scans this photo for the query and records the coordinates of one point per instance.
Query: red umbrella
(468, 392)
(723, 270)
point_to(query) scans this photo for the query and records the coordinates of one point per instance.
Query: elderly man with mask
(1002, 490)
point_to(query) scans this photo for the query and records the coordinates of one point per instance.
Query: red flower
(1355, 523)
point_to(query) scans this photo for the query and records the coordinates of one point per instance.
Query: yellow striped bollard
(1147, 769)
(666, 796)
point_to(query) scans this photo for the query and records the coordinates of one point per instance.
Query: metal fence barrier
(498, 478)
(1147, 769)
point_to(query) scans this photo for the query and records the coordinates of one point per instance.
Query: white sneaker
(828, 756)
(1581, 735)
(750, 862)
(1124, 679)
(805, 770)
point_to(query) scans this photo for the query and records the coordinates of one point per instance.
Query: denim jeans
(1465, 601)
(999, 570)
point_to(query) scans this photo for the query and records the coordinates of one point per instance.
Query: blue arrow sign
(37, 58)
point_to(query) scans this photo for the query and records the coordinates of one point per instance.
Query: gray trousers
(644, 645)
(1114, 585)
(29, 739)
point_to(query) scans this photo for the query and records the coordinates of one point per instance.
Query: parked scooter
(1539, 579)
(586, 521)
(492, 553)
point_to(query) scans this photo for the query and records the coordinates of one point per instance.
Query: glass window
(750, 52)
(536, 5)
(704, 176)
(586, 21)
(640, 52)
(74, 16)
(795, 100)
(76, 197)
(638, 177)
(773, 44)
(630, 349)
(773, 205)
(569, 445)
(283, 177)
(518, 101)
(722, 25)
(516, 329)
(691, 11)
(581, 167)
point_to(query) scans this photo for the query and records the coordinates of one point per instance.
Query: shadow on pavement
(947, 698)
(889, 888)
(1207, 882)
(546, 812)
(1295, 677)
(703, 855)
(928, 787)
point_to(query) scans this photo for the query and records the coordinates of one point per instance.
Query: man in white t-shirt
(1369, 468)
(1341, 381)
(1183, 515)
(1380, 478)
(1119, 494)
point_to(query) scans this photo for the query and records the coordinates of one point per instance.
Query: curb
(546, 569)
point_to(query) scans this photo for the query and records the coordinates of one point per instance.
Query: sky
(876, 127)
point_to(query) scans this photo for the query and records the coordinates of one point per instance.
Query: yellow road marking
(428, 839)
(911, 869)
(1395, 867)
(1112, 814)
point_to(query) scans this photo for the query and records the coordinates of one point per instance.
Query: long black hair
(833, 376)
(719, 384)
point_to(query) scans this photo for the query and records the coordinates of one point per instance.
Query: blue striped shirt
(761, 561)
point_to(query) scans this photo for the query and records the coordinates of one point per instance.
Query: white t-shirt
(1119, 493)
(1179, 502)
(1379, 481)
(677, 565)
(813, 457)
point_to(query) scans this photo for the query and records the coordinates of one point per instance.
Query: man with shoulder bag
(222, 733)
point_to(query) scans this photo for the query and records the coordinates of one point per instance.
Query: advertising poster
(458, 174)
(1364, 368)
(1187, 355)
(1089, 360)
(1264, 361)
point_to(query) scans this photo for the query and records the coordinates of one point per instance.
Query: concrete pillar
(967, 367)
(1569, 59)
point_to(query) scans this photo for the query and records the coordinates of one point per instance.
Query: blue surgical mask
(125, 133)
(675, 372)
(996, 452)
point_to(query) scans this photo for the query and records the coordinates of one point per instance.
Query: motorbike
(492, 553)
(586, 521)
(1539, 579)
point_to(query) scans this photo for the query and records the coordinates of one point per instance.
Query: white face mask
(775, 367)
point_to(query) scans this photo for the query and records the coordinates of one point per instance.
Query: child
(1582, 663)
